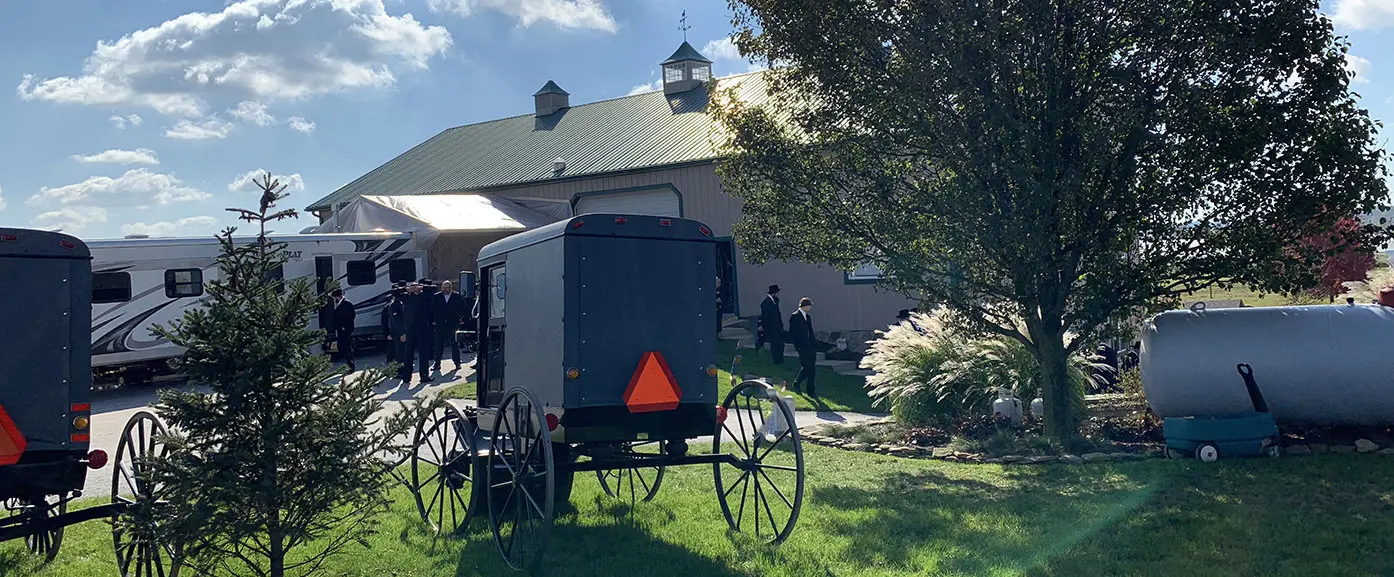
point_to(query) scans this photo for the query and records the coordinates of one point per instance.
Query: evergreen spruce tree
(282, 463)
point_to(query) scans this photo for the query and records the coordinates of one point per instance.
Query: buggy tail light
(96, 459)
(711, 370)
(621, 220)
(8, 238)
(705, 231)
(578, 224)
(665, 222)
(721, 414)
(80, 423)
(552, 422)
(573, 373)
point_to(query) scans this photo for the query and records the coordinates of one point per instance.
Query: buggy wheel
(43, 543)
(640, 484)
(521, 478)
(769, 470)
(443, 468)
(141, 550)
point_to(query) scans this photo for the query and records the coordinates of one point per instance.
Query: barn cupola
(685, 69)
(550, 99)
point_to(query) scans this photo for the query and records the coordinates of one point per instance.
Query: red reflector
(83, 438)
(621, 220)
(652, 388)
(96, 459)
(12, 443)
(81, 407)
(705, 231)
(552, 422)
(578, 224)
(665, 222)
(721, 414)
(8, 237)
(67, 245)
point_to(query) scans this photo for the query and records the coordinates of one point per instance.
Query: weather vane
(683, 25)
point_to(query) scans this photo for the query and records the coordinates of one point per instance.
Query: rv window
(111, 287)
(401, 270)
(277, 274)
(183, 282)
(361, 272)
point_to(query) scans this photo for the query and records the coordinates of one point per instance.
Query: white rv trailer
(138, 283)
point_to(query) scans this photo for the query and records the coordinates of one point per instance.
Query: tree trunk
(1057, 394)
(278, 555)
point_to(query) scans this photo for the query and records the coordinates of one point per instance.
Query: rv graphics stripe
(366, 245)
(114, 341)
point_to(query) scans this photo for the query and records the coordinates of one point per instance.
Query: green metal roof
(634, 132)
(685, 53)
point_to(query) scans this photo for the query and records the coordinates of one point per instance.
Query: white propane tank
(1007, 406)
(1038, 408)
(1324, 365)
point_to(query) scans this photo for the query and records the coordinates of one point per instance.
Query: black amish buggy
(45, 412)
(596, 353)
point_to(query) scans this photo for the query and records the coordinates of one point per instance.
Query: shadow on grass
(837, 392)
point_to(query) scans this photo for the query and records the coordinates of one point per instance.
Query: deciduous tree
(1065, 161)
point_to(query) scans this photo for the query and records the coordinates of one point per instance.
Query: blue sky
(145, 116)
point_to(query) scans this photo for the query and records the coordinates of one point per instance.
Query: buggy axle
(33, 526)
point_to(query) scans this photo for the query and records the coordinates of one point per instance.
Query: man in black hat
(344, 314)
(419, 328)
(903, 318)
(394, 325)
(801, 332)
(772, 322)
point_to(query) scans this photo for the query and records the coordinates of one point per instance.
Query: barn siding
(837, 306)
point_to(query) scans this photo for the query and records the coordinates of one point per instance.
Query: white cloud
(2, 199)
(723, 50)
(299, 124)
(211, 127)
(253, 112)
(118, 156)
(252, 50)
(70, 218)
(563, 13)
(136, 187)
(121, 121)
(244, 182)
(193, 224)
(1363, 14)
(1360, 67)
(642, 88)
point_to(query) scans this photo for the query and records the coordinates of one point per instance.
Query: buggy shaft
(610, 464)
(43, 524)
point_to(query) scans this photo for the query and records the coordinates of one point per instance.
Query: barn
(648, 153)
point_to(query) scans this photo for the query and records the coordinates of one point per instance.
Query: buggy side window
(111, 287)
(401, 270)
(361, 272)
(497, 289)
(183, 282)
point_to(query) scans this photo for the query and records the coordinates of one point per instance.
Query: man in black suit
(772, 325)
(801, 332)
(344, 314)
(447, 308)
(419, 328)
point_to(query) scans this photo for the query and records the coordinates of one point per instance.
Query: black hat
(425, 282)
(805, 302)
(903, 314)
(336, 293)
(774, 288)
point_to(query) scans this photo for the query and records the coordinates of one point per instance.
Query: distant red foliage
(1345, 259)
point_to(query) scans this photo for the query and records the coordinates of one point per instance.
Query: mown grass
(1250, 297)
(873, 515)
(837, 392)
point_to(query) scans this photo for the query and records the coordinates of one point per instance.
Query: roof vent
(137, 236)
(550, 99)
(685, 70)
(559, 165)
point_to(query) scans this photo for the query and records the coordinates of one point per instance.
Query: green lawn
(1250, 298)
(838, 392)
(872, 515)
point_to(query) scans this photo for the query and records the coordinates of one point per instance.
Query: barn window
(361, 272)
(183, 282)
(111, 287)
(864, 274)
(401, 270)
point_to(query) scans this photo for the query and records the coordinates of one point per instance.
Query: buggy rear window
(361, 272)
(111, 287)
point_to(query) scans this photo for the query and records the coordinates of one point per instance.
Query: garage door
(656, 202)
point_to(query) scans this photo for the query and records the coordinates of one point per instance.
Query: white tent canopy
(445, 213)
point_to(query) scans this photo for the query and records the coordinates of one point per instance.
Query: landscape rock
(1072, 459)
(1318, 447)
(1013, 459)
(942, 452)
(1092, 457)
(1389, 451)
(951, 458)
(1122, 456)
(1343, 449)
(1298, 450)
(854, 446)
(993, 461)
(1042, 460)
(1366, 446)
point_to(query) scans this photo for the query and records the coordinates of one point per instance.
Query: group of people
(420, 323)
(800, 333)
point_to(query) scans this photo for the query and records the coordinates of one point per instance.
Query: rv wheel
(1207, 453)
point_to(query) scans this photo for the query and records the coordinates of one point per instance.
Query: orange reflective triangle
(652, 388)
(11, 442)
